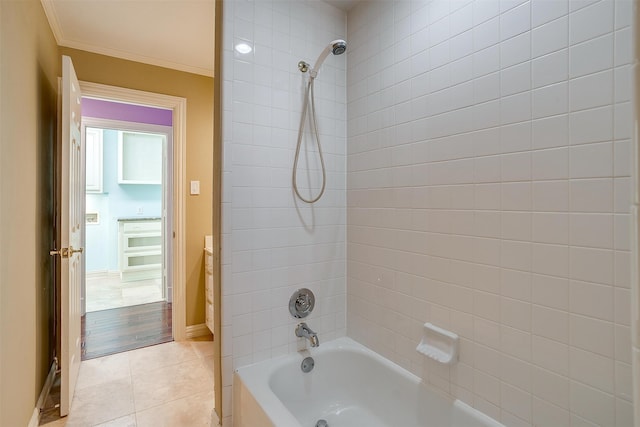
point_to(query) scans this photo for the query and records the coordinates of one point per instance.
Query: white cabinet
(93, 149)
(140, 249)
(140, 157)
(209, 284)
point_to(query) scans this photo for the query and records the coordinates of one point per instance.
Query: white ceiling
(345, 5)
(176, 34)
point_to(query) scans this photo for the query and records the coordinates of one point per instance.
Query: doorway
(127, 294)
(125, 198)
(133, 210)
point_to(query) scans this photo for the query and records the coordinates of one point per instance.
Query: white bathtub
(349, 386)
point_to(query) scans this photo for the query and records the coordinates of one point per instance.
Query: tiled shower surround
(488, 190)
(273, 244)
(488, 193)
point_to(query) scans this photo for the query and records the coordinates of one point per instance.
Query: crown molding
(130, 56)
(61, 40)
(54, 22)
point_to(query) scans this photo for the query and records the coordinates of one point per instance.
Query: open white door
(71, 230)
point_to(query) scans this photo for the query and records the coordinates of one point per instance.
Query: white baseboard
(215, 421)
(35, 418)
(102, 274)
(195, 331)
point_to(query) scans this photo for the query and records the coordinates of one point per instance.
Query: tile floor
(166, 385)
(105, 291)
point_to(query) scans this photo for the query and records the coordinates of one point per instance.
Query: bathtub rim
(255, 379)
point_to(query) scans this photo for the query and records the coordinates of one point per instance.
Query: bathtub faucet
(303, 331)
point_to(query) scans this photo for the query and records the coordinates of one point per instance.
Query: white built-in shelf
(140, 249)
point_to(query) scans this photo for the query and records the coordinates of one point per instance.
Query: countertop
(139, 218)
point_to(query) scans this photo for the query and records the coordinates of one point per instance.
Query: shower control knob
(301, 303)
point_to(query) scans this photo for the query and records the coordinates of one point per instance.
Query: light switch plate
(195, 188)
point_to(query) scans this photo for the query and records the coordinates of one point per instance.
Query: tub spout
(304, 331)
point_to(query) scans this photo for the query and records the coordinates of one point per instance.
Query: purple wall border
(101, 109)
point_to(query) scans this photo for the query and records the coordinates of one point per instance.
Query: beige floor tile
(169, 383)
(203, 348)
(103, 369)
(209, 362)
(100, 403)
(62, 422)
(158, 356)
(165, 385)
(127, 421)
(192, 411)
(107, 291)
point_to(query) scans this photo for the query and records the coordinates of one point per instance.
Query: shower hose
(314, 125)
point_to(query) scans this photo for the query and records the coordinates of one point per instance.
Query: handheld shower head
(337, 47)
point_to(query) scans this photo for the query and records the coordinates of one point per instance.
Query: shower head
(337, 47)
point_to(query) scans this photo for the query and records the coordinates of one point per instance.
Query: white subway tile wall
(273, 243)
(488, 192)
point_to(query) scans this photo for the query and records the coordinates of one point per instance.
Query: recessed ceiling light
(243, 48)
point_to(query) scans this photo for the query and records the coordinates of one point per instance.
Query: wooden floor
(122, 329)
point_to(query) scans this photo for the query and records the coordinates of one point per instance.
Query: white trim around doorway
(179, 107)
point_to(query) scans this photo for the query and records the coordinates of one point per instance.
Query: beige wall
(198, 90)
(29, 69)
(28, 89)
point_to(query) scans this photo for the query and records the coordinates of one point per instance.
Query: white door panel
(72, 217)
